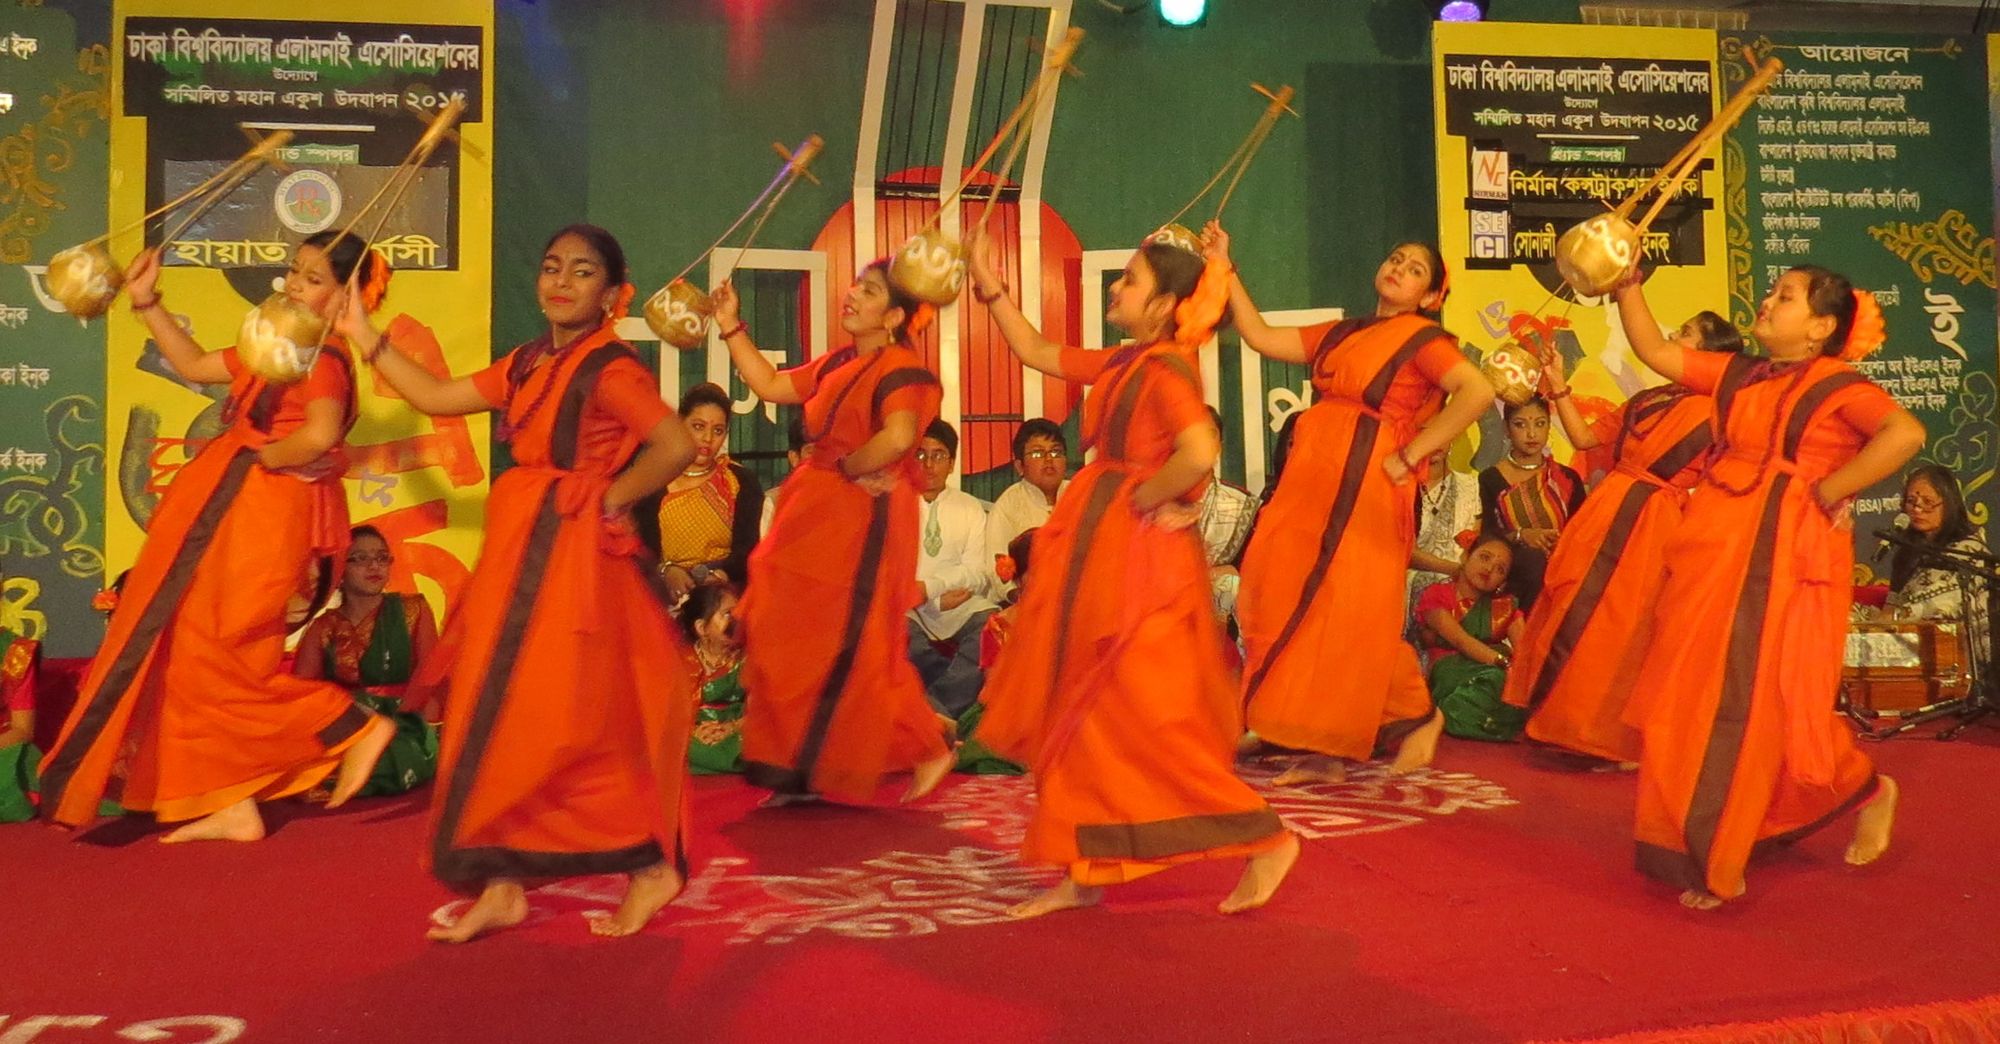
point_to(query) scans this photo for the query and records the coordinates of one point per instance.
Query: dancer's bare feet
(1418, 747)
(1313, 768)
(1262, 875)
(649, 891)
(358, 760)
(1066, 896)
(503, 904)
(1871, 833)
(1700, 899)
(238, 822)
(929, 775)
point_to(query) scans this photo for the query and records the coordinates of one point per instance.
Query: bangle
(146, 306)
(734, 330)
(988, 298)
(1561, 395)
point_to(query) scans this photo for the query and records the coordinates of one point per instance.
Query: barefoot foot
(1871, 834)
(1314, 768)
(1418, 747)
(1262, 875)
(1066, 896)
(1698, 899)
(929, 775)
(359, 760)
(650, 890)
(238, 822)
(503, 904)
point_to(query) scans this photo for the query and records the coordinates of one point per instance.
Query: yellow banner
(342, 80)
(1540, 126)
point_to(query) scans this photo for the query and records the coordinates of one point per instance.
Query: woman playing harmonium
(1920, 585)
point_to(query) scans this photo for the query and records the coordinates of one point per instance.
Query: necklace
(710, 665)
(1536, 466)
(692, 473)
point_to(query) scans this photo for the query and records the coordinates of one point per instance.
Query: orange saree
(1736, 698)
(186, 709)
(1325, 666)
(565, 733)
(834, 702)
(1589, 630)
(1111, 685)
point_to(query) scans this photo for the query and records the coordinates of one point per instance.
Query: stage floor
(1491, 898)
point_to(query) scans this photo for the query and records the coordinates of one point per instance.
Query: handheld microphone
(1891, 536)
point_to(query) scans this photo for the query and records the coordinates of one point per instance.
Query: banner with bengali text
(1538, 128)
(1873, 158)
(191, 77)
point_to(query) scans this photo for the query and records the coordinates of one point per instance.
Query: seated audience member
(20, 662)
(707, 617)
(1468, 627)
(1041, 458)
(795, 455)
(1227, 514)
(1528, 496)
(953, 568)
(706, 522)
(370, 642)
(1447, 505)
(1919, 588)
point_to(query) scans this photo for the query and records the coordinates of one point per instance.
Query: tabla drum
(1894, 669)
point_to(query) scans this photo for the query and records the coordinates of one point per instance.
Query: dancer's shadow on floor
(135, 827)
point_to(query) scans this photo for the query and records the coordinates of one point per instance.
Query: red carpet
(1491, 900)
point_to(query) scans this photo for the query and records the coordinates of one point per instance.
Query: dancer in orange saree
(1111, 686)
(1735, 698)
(834, 703)
(1591, 626)
(564, 750)
(1326, 669)
(187, 712)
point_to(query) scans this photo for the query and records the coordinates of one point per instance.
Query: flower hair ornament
(1868, 331)
(621, 306)
(375, 285)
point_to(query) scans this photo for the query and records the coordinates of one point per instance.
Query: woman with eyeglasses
(1918, 588)
(370, 643)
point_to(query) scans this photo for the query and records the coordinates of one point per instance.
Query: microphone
(1895, 535)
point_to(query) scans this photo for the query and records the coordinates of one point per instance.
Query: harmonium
(1895, 669)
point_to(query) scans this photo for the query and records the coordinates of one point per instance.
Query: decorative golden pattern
(32, 160)
(1950, 247)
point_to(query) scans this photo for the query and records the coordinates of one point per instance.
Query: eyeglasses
(376, 558)
(928, 456)
(1913, 504)
(1045, 454)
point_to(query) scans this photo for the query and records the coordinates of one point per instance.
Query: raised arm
(189, 359)
(1282, 343)
(763, 379)
(1899, 438)
(1556, 389)
(1027, 343)
(425, 391)
(1642, 331)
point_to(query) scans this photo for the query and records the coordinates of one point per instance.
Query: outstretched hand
(1214, 242)
(142, 276)
(980, 252)
(352, 323)
(728, 307)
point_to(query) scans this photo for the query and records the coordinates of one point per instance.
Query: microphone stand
(1978, 574)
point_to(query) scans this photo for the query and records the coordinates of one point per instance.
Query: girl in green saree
(371, 643)
(716, 745)
(1468, 628)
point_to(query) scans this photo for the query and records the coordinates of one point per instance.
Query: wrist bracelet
(987, 299)
(734, 330)
(145, 306)
(1561, 395)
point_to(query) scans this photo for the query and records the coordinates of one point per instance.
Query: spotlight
(1461, 11)
(1182, 14)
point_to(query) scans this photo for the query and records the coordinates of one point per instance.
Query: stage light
(1183, 13)
(1462, 11)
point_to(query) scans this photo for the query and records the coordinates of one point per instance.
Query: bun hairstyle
(1200, 286)
(345, 253)
(1713, 333)
(917, 314)
(1857, 319)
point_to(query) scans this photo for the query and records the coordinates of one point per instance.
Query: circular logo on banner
(307, 201)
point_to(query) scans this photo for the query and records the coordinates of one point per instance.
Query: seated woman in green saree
(716, 745)
(1467, 627)
(371, 643)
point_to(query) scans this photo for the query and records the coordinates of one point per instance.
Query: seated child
(1467, 627)
(20, 660)
(716, 746)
